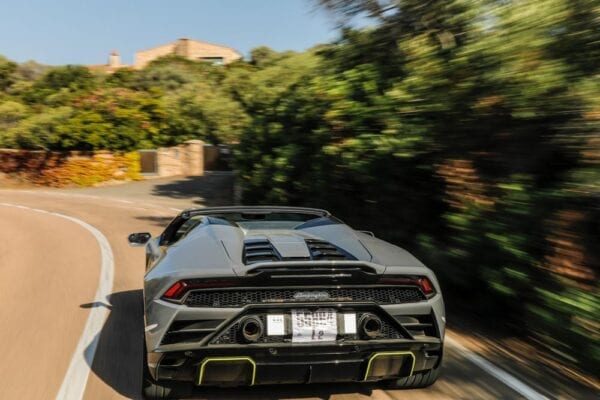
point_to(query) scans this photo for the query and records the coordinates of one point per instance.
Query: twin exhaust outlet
(370, 326)
(252, 329)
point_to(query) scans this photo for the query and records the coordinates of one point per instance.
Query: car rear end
(296, 322)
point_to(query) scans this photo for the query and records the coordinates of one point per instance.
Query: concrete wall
(170, 161)
(29, 161)
(196, 50)
(68, 168)
(142, 58)
(192, 158)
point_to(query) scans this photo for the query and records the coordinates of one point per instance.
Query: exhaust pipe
(251, 329)
(370, 326)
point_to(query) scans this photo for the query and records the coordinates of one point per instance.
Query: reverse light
(421, 281)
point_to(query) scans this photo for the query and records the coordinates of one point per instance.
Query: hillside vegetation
(466, 131)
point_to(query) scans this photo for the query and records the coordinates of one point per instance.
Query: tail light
(177, 290)
(422, 282)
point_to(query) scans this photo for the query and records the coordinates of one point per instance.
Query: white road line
(517, 385)
(75, 380)
(146, 206)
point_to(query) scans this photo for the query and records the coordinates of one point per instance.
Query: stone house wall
(188, 48)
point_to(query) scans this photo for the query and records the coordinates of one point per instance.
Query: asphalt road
(49, 274)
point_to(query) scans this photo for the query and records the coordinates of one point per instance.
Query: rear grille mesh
(183, 337)
(242, 297)
(189, 331)
(418, 325)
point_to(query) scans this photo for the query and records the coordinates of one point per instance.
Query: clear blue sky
(85, 31)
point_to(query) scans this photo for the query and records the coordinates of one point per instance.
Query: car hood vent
(259, 250)
(322, 250)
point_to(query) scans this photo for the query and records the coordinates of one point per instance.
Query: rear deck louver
(322, 250)
(259, 250)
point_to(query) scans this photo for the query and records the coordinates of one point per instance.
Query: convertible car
(239, 296)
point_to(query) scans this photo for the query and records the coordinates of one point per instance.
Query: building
(114, 63)
(191, 49)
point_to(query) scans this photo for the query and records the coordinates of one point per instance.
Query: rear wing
(346, 271)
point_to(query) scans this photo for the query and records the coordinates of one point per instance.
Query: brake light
(176, 291)
(426, 285)
(180, 288)
(421, 281)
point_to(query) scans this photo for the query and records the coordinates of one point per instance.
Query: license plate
(314, 326)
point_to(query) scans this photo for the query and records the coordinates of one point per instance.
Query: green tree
(59, 85)
(460, 129)
(41, 131)
(7, 71)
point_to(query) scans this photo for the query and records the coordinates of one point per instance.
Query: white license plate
(314, 326)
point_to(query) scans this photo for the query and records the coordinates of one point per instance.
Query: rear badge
(311, 296)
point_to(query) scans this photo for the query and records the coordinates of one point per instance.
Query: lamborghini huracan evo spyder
(263, 295)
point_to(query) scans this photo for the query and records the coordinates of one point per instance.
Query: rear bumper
(273, 364)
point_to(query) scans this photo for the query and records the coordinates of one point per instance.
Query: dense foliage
(464, 130)
(72, 108)
(467, 131)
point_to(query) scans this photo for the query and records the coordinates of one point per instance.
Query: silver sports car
(265, 295)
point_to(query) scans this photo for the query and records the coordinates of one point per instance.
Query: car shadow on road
(214, 189)
(118, 359)
(157, 221)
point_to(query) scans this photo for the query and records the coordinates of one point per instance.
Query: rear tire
(160, 390)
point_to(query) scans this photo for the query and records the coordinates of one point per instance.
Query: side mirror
(139, 239)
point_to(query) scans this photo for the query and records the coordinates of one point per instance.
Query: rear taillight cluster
(180, 288)
(420, 281)
(177, 291)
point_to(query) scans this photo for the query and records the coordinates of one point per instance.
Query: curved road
(49, 274)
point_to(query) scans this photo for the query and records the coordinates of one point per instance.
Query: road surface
(51, 265)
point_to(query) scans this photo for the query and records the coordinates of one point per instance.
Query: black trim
(238, 297)
(254, 209)
(300, 364)
(322, 221)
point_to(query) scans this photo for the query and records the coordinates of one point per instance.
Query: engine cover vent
(259, 250)
(322, 250)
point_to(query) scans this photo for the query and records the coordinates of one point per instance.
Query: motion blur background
(467, 131)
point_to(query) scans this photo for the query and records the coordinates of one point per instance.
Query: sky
(60, 32)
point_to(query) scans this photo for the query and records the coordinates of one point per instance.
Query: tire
(159, 390)
(416, 381)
